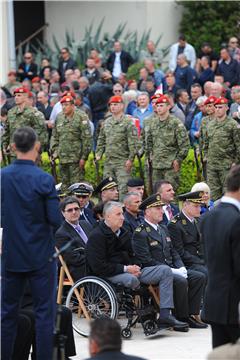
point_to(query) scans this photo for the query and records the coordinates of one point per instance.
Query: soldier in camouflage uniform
(167, 143)
(118, 139)
(23, 115)
(222, 147)
(71, 142)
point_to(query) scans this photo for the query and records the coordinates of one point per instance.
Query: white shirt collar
(230, 200)
(151, 224)
(191, 220)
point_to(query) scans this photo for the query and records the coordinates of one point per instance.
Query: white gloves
(182, 272)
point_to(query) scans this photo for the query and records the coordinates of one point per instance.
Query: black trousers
(187, 293)
(223, 334)
(26, 334)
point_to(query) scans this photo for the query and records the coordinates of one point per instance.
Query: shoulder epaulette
(175, 219)
(140, 228)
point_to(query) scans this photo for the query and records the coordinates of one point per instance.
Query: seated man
(136, 185)
(108, 190)
(185, 234)
(132, 217)
(165, 189)
(74, 233)
(82, 192)
(109, 255)
(152, 246)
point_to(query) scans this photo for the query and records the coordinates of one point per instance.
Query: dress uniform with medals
(153, 246)
(186, 237)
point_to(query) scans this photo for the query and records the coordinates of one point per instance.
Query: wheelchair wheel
(89, 299)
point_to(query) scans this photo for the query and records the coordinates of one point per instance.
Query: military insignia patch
(184, 222)
(138, 229)
(168, 239)
(148, 229)
(153, 243)
(173, 221)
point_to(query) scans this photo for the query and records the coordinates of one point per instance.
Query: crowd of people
(144, 238)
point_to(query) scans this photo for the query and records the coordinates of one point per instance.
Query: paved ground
(194, 345)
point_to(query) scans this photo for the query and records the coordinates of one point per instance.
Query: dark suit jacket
(220, 229)
(74, 256)
(30, 214)
(175, 211)
(107, 253)
(125, 58)
(130, 222)
(71, 64)
(33, 68)
(88, 216)
(186, 240)
(154, 248)
(116, 355)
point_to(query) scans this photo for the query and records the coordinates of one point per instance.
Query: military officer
(222, 147)
(22, 115)
(71, 142)
(152, 246)
(185, 235)
(118, 139)
(108, 189)
(167, 143)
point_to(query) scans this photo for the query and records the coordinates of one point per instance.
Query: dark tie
(81, 233)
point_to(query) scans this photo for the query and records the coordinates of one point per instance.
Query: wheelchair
(92, 297)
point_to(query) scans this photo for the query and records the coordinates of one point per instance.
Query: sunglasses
(63, 52)
(72, 209)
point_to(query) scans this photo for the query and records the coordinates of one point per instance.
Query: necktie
(81, 233)
(169, 210)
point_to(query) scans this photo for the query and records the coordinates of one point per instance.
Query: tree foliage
(210, 21)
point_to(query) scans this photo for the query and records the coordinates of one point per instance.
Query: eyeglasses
(72, 209)
(27, 57)
(63, 52)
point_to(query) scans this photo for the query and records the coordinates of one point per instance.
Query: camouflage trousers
(70, 174)
(118, 171)
(167, 174)
(217, 181)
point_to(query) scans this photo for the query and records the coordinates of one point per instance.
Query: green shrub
(188, 170)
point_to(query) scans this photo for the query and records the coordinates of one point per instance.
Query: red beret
(36, 79)
(156, 96)
(66, 99)
(163, 100)
(115, 99)
(21, 90)
(69, 93)
(12, 72)
(221, 101)
(210, 100)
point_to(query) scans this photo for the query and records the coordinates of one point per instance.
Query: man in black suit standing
(65, 63)
(220, 230)
(119, 60)
(165, 189)
(105, 341)
(75, 233)
(27, 69)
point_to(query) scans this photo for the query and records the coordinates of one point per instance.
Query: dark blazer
(33, 69)
(30, 215)
(175, 211)
(154, 248)
(186, 240)
(74, 256)
(125, 59)
(116, 355)
(107, 253)
(71, 64)
(220, 229)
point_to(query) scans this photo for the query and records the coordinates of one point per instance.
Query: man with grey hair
(132, 216)
(183, 73)
(109, 255)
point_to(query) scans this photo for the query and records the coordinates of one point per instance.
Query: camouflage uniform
(118, 139)
(203, 133)
(166, 141)
(71, 141)
(147, 121)
(222, 148)
(17, 118)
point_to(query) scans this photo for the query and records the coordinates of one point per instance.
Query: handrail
(31, 36)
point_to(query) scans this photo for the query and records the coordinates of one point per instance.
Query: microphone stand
(59, 339)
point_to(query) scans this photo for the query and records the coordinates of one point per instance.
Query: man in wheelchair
(109, 255)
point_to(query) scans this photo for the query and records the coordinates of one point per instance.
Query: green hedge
(188, 170)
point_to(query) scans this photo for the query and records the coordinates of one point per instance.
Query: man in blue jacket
(29, 217)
